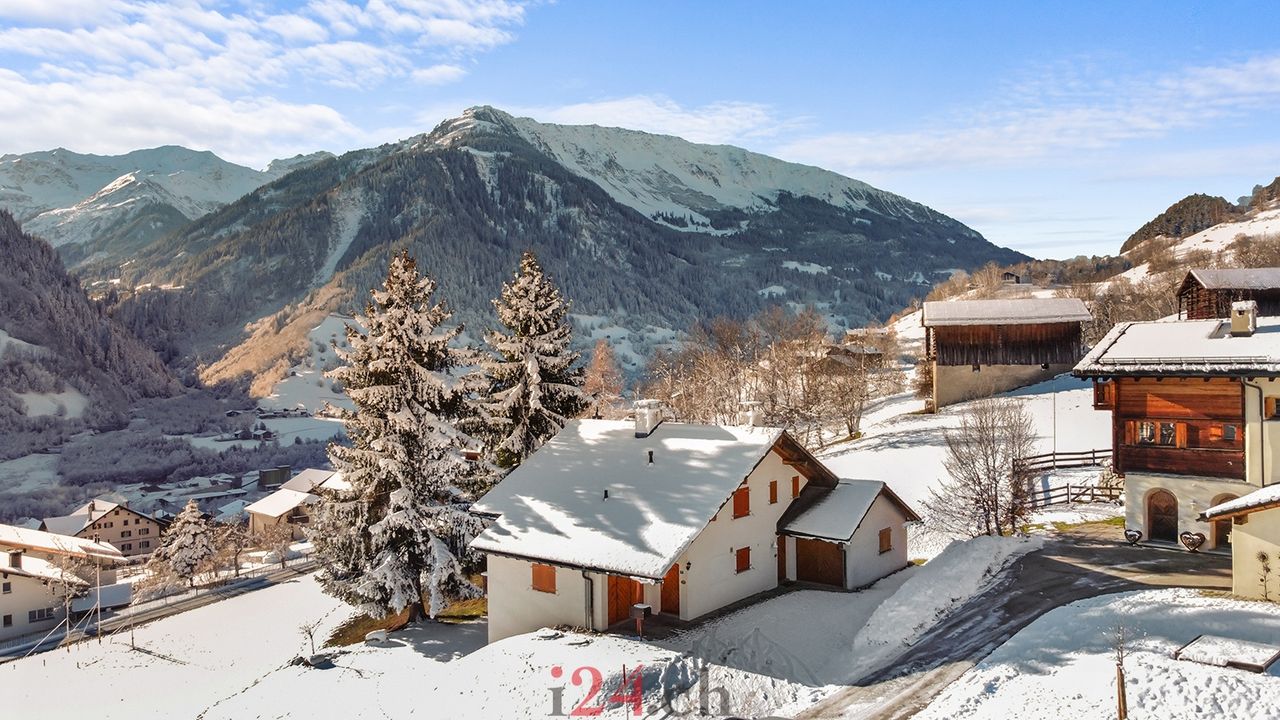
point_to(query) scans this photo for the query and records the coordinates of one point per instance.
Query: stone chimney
(751, 413)
(1244, 318)
(648, 415)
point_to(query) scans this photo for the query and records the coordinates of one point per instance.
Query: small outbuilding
(1252, 525)
(1208, 293)
(981, 347)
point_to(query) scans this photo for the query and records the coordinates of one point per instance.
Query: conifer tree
(393, 538)
(534, 383)
(188, 543)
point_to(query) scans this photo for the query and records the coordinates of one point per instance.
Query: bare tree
(987, 491)
(232, 540)
(1120, 650)
(603, 380)
(276, 539)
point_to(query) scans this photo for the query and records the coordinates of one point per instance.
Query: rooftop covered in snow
(1021, 311)
(281, 502)
(1199, 348)
(590, 498)
(1264, 499)
(1234, 278)
(16, 538)
(836, 514)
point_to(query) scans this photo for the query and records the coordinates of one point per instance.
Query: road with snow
(1079, 564)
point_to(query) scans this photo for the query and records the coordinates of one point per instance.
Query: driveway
(1076, 564)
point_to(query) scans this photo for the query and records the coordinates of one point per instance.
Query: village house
(291, 503)
(1194, 417)
(38, 570)
(1209, 293)
(981, 347)
(132, 532)
(1253, 524)
(682, 518)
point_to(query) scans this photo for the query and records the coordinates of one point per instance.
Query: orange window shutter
(544, 578)
(742, 502)
(773, 491)
(886, 540)
(795, 486)
(743, 556)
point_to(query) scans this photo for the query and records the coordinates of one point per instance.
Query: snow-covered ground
(1061, 666)
(232, 659)
(906, 449)
(69, 403)
(29, 473)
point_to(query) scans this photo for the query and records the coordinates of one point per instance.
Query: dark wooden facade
(1196, 302)
(1185, 426)
(1031, 344)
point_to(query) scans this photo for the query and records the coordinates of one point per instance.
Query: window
(126, 533)
(1158, 433)
(6, 588)
(1270, 408)
(795, 486)
(144, 531)
(544, 578)
(886, 540)
(40, 615)
(773, 492)
(8, 621)
(743, 556)
(145, 544)
(1229, 433)
(741, 502)
(127, 546)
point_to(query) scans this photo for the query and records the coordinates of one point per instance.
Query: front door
(671, 591)
(1162, 516)
(623, 593)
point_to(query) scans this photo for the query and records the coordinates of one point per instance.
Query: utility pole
(97, 604)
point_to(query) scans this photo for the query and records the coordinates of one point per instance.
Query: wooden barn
(981, 347)
(1206, 294)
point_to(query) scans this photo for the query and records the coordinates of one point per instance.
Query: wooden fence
(1066, 494)
(1054, 461)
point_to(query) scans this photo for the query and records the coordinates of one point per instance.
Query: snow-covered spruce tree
(534, 382)
(394, 537)
(188, 543)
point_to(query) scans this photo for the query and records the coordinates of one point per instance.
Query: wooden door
(671, 591)
(819, 561)
(1162, 516)
(782, 558)
(623, 593)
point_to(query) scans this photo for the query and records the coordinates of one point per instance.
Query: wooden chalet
(1193, 412)
(980, 347)
(1209, 293)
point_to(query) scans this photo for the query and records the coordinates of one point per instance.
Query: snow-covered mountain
(72, 198)
(684, 185)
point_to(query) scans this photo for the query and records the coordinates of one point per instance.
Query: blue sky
(1053, 128)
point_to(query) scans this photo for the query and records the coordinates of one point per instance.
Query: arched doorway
(1162, 516)
(1222, 528)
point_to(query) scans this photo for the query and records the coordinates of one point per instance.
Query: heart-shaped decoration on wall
(1133, 536)
(1191, 540)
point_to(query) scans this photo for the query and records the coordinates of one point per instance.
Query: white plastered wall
(26, 594)
(1259, 533)
(864, 563)
(515, 607)
(1194, 494)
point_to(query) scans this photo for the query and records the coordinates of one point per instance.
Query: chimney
(15, 559)
(1244, 318)
(648, 415)
(751, 413)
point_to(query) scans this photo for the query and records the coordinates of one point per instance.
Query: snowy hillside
(684, 184)
(68, 197)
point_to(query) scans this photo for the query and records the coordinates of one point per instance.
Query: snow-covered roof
(1264, 499)
(1021, 311)
(281, 502)
(80, 518)
(17, 538)
(1235, 278)
(40, 569)
(837, 514)
(308, 479)
(590, 497)
(1184, 347)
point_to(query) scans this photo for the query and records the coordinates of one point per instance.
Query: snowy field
(907, 450)
(1061, 666)
(232, 659)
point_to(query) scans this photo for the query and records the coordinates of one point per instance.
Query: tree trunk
(416, 613)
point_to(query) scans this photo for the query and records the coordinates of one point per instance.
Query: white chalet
(37, 568)
(684, 518)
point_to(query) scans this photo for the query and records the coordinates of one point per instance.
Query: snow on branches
(534, 381)
(393, 539)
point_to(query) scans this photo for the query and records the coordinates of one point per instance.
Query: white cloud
(716, 123)
(1058, 114)
(110, 75)
(438, 74)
